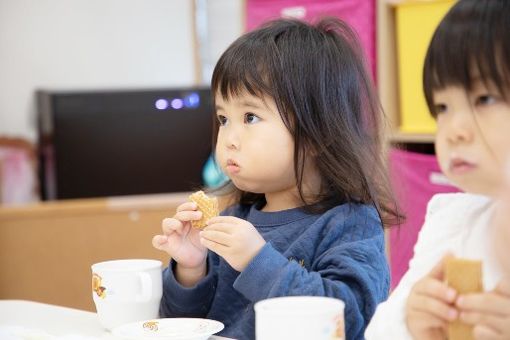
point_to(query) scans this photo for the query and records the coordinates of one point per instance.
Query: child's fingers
(481, 332)
(170, 225)
(435, 289)
(433, 307)
(158, 241)
(187, 206)
(503, 287)
(488, 320)
(423, 320)
(485, 303)
(217, 236)
(220, 226)
(188, 215)
(218, 248)
(224, 219)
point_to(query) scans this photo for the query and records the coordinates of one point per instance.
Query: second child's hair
(318, 80)
(472, 40)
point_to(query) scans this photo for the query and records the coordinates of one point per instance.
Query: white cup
(299, 318)
(126, 290)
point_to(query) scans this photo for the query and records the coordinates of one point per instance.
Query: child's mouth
(232, 167)
(460, 166)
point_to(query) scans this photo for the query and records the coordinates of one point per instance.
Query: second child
(467, 87)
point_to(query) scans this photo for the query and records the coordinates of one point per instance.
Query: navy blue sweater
(339, 253)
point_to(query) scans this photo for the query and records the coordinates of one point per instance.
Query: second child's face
(254, 147)
(473, 137)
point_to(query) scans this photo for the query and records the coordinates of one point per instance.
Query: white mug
(126, 291)
(299, 318)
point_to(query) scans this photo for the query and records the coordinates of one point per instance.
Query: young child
(467, 87)
(297, 134)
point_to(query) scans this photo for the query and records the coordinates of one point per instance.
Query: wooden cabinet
(46, 249)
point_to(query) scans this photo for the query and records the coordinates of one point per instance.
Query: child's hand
(234, 239)
(180, 240)
(489, 312)
(429, 305)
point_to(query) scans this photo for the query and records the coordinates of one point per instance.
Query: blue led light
(192, 100)
(161, 104)
(176, 103)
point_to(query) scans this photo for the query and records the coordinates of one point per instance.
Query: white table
(55, 320)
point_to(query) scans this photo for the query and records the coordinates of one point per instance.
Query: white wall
(88, 44)
(224, 22)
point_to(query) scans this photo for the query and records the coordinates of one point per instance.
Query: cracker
(207, 205)
(465, 276)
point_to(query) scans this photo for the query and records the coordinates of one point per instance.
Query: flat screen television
(114, 143)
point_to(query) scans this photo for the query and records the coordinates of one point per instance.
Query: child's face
(254, 148)
(473, 137)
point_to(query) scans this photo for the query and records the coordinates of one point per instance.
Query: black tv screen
(112, 143)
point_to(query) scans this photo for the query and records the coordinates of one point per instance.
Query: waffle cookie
(465, 276)
(207, 205)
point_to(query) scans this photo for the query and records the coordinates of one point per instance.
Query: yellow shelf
(401, 137)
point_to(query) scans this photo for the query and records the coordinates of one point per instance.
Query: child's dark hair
(472, 40)
(318, 79)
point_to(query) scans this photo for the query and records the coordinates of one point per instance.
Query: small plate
(169, 329)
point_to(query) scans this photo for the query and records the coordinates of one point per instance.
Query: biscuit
(208, 206)
(465, 276)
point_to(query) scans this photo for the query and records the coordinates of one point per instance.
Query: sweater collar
(275, 218)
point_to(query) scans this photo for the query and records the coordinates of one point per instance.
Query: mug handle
(146, 282)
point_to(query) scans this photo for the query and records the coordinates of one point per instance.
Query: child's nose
(231, 145)
(461, 126)
(232, 140)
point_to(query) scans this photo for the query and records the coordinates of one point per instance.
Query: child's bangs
(245, 72)
(462, 63)
(460, 55)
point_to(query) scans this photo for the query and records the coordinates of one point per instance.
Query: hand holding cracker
(180, 240)
(488, 312)
(234, 239)
(429, 305)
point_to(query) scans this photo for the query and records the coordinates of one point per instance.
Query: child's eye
(250, 118)
(486, 99)
(440, 109)
(222, 119)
